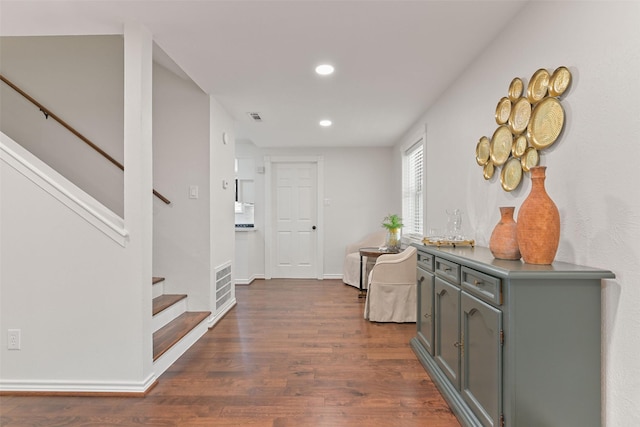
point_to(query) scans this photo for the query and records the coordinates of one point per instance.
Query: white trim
(215, 318)
(178, 349)
(319, 161)
(168, 314)
(267, 217)
(250, 280)
(412, 146)
(333, 276)
(70, 195)
(77, 386)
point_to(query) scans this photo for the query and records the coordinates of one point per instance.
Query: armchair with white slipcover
(351, 267)
(392, 294)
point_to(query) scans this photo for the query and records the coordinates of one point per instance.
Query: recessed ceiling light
(325, 123)
(324, 69)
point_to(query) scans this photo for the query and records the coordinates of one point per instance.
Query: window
(412, 190)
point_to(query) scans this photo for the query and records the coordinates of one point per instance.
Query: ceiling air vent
(255, 116)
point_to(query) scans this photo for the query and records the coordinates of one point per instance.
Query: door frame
(269, 227)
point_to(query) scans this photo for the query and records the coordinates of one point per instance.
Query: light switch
(193, 191)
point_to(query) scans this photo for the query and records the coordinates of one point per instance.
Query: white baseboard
(332, 277)
(249, 280)
(52, 386)
(213, 319)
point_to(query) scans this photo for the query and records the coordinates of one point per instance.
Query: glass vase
(394, 239)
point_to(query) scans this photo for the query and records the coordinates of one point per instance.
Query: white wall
(71, 304)
(80, 79)
(590, 170)
(181, 159)
(358, 186)
(222, 221)
(81, 300)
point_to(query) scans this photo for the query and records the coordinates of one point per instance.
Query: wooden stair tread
(157, 280)
(165, 337)
(164, 301)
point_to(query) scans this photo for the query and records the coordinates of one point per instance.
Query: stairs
(174, 328)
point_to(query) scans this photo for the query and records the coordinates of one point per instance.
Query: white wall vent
(223, 285)
(255, 116)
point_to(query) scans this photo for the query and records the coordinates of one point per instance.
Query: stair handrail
(48, 113)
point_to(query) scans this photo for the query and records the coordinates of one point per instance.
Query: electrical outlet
(13, 336)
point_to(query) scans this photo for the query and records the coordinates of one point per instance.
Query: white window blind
(412, 191)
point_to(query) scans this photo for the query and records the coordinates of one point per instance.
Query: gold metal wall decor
(528, 121)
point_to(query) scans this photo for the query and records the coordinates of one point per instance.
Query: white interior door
(295, 217)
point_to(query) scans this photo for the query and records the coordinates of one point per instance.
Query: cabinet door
(481, 370)
(425, 309)
(447, 330)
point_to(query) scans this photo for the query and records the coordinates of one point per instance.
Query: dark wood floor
(292, 353)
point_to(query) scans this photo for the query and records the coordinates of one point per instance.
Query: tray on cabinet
(432, 241)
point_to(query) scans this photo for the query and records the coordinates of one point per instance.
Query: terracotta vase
(504, 238)
(538, 222)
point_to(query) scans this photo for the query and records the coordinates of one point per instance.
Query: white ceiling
(393, 58)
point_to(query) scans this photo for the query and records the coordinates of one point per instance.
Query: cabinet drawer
(425, 261)
(481, 285)
(448, 270)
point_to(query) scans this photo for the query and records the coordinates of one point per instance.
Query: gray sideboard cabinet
(509, 343)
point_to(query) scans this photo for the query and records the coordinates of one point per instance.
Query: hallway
(292, 353)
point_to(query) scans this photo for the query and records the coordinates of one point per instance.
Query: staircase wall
(70, 290)
(81, 80)
(181, 249)
(81, 300)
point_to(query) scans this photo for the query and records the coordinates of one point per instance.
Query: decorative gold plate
(547, 120)
(515, 89)
(483, 151)
(501, 145)
(519, 145)
(560, 81)
(538, 85)
(511, 174)
(488, 170)
(529, 159)
(520, 115)
(503, 111)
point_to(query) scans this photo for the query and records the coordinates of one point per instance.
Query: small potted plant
(393, 224)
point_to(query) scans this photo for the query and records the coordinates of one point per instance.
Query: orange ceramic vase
(504, 239)
(538, 223)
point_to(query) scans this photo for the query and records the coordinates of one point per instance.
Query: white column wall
(138, 187)
(591, 170)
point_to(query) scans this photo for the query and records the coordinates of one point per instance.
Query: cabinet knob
(427, 316)
(477, 282)
(421, 279)
(458, 344)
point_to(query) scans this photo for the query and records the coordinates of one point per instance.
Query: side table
(372, 253)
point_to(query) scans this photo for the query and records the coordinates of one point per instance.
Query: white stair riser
(157, 289)
(171, 355)
(168, 314)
